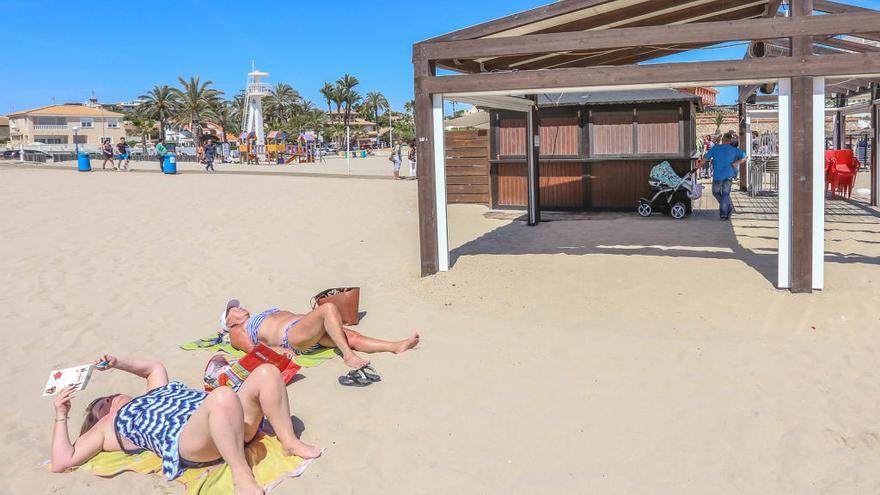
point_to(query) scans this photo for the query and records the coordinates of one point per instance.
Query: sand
(592, 354)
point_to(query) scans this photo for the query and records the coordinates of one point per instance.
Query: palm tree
(195, 100)
(350, 97)
(374, 102)
(409, 107)
(159, 104)
(327, 93)
(222, 112)
(143, 128)
(719, 119)
(281, 102)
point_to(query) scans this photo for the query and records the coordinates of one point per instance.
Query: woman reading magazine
(187, 428)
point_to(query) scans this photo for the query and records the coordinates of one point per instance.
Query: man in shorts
(122, 154)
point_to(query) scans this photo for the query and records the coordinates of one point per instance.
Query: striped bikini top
(155, 421)
(253, 325)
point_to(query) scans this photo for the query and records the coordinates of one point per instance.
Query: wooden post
(801, 162)
(533, 153)
(875, 154)
(839, 126)
(424, 120)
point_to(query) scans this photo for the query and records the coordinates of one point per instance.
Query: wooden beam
(773, 8)
(684, 74)
(427, 187)
(802, 159)
(801, 184)
(702, 32)
(520, 19)
(847, 45)
(633, 17)
(837, 8)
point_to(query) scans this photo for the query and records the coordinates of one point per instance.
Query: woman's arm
(240, 340)
(153, 371)
(64, 454)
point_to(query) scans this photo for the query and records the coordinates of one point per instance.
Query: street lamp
(76, 141)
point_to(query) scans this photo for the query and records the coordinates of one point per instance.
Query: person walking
(395, 159)
(122, 154)
(209, 152)
(161, 151)
(725, 160)
(107, 151)
(412, 156)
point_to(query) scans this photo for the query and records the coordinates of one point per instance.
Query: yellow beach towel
(215, 343)
(264, 454)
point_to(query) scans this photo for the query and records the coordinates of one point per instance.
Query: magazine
(58, 379)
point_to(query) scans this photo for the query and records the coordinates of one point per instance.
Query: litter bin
(363, 154)
(169, 164)
(280, 160)
(83, 162)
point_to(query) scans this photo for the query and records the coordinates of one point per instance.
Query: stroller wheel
(645, 209)
(678, 211)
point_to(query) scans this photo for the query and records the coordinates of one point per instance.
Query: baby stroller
(673, 195)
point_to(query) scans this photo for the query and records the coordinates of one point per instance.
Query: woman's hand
(62, 401)
(105, 362)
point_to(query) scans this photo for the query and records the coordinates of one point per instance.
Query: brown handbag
(346, 299)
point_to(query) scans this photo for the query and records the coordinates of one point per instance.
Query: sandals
(360, 377)
(370, 373)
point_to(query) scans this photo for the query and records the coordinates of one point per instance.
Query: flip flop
(355, 378)
(370, 373)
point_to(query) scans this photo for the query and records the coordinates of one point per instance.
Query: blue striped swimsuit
(155, 421)
(253, 329)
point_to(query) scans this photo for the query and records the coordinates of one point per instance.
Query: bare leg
(325, 320)
(217, 429)
(369, 345)
(264, 394)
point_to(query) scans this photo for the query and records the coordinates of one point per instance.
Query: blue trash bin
(83, 162)
(169, 164)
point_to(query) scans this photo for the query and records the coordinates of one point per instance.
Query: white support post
(784, 261)
(818, 183)
(440, 185)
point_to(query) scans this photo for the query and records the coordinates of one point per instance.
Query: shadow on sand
(702, 236)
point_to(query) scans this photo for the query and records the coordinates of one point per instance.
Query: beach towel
(216, 343)
(264, 454)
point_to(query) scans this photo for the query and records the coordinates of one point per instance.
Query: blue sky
(65, 49)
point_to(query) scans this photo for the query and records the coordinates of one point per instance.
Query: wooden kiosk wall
(591, 158)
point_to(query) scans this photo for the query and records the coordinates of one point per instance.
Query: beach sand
(592, 354)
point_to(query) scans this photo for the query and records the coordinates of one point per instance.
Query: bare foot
(355, 362)
(304, 450)
(405, 345)
(247, 486)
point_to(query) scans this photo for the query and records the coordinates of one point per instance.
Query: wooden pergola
(595, 45)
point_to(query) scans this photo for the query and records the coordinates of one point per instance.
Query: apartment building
(65, 125)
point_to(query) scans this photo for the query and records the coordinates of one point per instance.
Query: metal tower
(256, 90)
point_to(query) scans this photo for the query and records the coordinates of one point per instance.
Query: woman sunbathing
(187, 428)
(296, 334)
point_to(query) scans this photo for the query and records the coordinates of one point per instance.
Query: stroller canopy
(665, 174)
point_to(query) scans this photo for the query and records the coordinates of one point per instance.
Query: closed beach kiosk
(597, 149)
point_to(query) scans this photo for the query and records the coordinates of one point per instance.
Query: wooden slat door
(467, 167)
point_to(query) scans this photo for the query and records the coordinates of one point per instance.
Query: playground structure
(275, 148)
